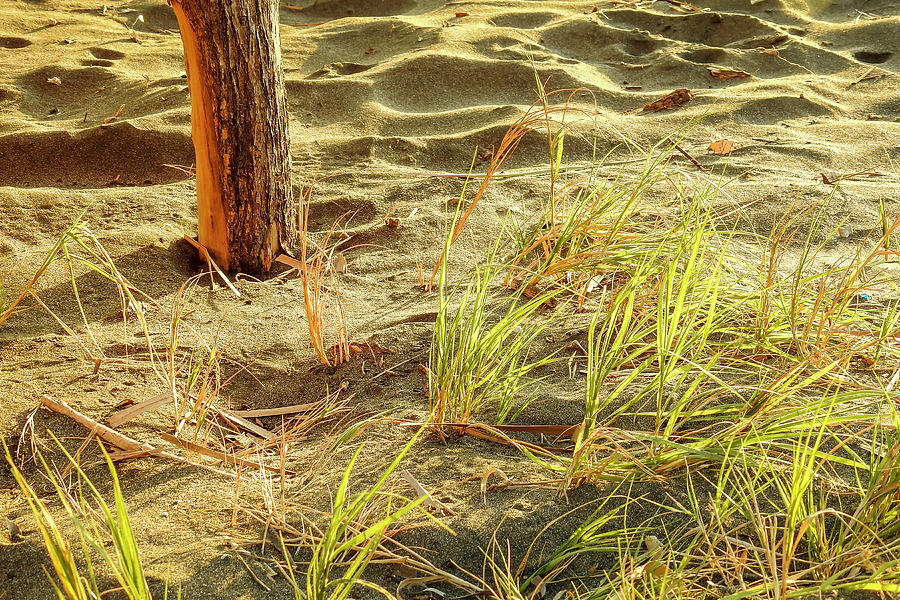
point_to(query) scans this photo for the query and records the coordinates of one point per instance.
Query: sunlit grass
(480, 353)
(95, 522)
(751, 362)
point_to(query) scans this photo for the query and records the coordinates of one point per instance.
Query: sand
(385, 97)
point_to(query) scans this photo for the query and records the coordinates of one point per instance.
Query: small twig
(252, 574)
(690, 158)
(189, 171)
(862, 77)
(277, 412)
(774, 52)
(833, 180)
(205, 254)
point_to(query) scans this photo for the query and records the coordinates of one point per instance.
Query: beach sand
(386, 98)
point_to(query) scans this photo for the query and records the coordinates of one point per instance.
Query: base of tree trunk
(239, 125)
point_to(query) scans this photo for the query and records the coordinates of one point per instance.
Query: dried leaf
(430, 502)
(339, 263)
(14, 531)
(722, 146)
(484, 480)
(657, 569)
(728, 74)
(592, 283)
(676, 98)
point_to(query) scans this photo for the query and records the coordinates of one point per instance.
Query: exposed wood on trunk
(239, 123)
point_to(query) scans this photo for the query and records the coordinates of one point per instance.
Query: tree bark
(239, 125)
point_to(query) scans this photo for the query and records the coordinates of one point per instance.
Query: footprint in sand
(13, 42)
(872, 58)
(712, 28)
(341, 68)
(93, 158)
(106, 53)
(524, 20)
(103, 57)
(332, 9)
(7, 93)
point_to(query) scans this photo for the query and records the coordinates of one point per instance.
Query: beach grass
(753, 373)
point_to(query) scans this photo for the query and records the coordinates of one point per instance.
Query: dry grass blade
(102, 431)
(222, 456)
(314, 271)
(121, 417)
(539, 114)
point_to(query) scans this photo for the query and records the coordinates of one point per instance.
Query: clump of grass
(594, 230)
(745, 361)
(817, 314)
(600, 533)
(538, 116)
(316, 272)
(479, 354)
(82, 510)
(877, 517)
(78, 246)
(345, 542)
(193, 370)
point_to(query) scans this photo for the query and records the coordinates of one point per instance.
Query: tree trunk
(239, 124)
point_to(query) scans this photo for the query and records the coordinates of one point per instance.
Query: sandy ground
(385, 96)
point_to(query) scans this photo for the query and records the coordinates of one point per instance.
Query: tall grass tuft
(112, 523)
(480, 348)
(317, 272)
(345, 535)
(79, 247)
